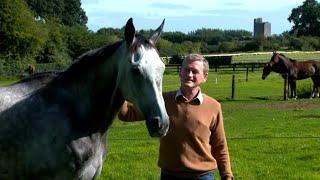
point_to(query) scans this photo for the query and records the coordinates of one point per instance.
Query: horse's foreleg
(315, 92)
(293, 90)
(316, 84)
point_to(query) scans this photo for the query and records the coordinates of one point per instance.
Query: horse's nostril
(153, 126)
(156, 127)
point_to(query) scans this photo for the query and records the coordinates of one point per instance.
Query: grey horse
(57, 128)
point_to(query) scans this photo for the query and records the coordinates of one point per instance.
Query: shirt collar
(197, 100)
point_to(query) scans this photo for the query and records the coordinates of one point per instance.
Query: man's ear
(205, 77)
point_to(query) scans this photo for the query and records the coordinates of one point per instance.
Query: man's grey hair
(198, 57)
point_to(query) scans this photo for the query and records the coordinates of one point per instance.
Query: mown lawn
(268, 138)
(5, 82)
(266, 56)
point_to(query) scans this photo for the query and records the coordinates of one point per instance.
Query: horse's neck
(283, 66)
(92, 95)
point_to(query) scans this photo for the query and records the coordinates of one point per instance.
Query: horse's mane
(91, 58)
(290, 59)
(39, 76)
(94, 57)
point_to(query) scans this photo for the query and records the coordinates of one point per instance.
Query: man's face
(192, 75)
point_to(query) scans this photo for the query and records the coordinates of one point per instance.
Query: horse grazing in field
(294, 70)
(31, 69)
(57, 128)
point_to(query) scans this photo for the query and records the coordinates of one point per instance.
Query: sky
(189, 15)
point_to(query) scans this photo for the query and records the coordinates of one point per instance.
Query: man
(195, 144)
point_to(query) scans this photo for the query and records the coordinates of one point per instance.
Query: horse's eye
(135, 71)
(136, 57)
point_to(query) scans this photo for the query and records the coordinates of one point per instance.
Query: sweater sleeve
(219, 146)
(128, 113)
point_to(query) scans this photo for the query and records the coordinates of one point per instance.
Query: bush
(21, 35)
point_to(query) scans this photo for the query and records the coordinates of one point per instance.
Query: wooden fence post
(247, 74)
(233, 86)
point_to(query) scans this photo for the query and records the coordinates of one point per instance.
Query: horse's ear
(129, 31)
(156, 34)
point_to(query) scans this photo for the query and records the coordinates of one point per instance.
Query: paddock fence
(254, 66)
(243, 85)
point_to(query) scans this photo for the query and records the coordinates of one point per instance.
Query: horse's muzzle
(157, 127)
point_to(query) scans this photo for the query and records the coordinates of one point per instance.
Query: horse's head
(268, 66)
(141, 79)
(266, 70)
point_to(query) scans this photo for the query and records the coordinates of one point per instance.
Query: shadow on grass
(250, 99)
(310, 116)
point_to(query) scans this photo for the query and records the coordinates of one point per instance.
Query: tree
(174, 37)
(227, 46)
(164, 48)
(20, 33)
(210, 36)
(306, 19)
(73, 14)
(68, 11)
(55, 49)
(78, 40)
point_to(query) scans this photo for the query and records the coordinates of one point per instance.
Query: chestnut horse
(294, 70)
(31, 69)
(57, 128)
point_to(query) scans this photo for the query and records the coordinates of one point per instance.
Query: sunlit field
(268, 138)
(265, 56)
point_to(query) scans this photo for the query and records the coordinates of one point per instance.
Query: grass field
(5, 82)
(268, 138)
(265, 56)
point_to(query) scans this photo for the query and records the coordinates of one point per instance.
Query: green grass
(268, 138)
(7, 81)
(265, 57)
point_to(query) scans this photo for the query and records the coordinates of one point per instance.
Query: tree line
(55, 32)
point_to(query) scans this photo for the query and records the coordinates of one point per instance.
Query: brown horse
(294, 70)
(31, 69)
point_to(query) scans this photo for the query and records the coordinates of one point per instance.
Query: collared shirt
(196, 100)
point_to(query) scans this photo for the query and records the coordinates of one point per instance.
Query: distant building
(261, 28)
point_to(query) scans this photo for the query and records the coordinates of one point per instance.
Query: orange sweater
(195, 142)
